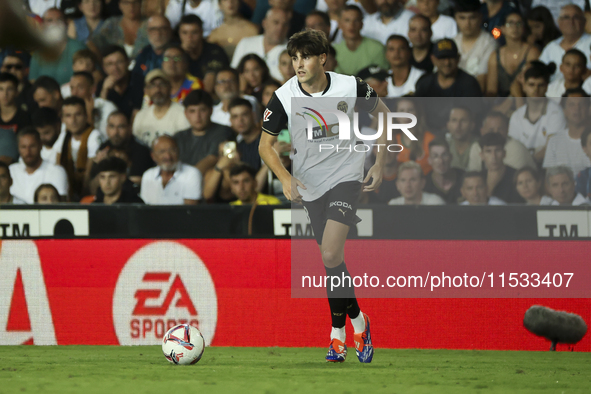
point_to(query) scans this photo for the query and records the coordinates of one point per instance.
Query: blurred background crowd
(160, 101)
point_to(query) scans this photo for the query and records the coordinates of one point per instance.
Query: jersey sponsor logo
(163, 284)
(267, 114)
(343, 212)
(343, 204)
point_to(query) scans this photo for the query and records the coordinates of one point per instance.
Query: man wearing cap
(17, 63)
(403, 77)
(449, 80)
(163, 116)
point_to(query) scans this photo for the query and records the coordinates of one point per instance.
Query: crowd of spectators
(160, 101)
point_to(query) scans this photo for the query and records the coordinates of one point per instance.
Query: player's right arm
(275, 120)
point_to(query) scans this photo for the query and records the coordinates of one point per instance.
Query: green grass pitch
(113, 369)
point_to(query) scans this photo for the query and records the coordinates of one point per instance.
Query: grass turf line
(114, 369)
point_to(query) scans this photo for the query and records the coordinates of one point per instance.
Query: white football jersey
(325, 160)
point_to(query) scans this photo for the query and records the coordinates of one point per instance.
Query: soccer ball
(183, 344)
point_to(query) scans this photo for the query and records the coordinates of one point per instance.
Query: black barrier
(222, 221)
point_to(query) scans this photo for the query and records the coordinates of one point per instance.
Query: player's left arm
(369, 101)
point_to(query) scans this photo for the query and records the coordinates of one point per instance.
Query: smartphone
(229, 149)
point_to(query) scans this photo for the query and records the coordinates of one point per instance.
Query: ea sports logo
(163, 284)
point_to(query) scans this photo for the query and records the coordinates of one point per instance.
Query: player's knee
(331, 258)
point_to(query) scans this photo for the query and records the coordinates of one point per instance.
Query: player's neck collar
(325, 89)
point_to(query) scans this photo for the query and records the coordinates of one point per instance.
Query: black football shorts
(338, 204)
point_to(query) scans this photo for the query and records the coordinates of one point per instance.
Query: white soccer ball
(183, 344)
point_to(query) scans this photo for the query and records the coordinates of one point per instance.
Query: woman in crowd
(267, 91)
(253, 73)
(528, 183)
(128, 30)
(46, 194)
(82, 28)
(414, 150)
(542, 27)
(505, 64)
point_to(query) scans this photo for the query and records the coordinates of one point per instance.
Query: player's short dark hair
(540, 70)
(398, 37)
(239, 102)
(323, 15)
(28, 130)
(228, 70)
(579, 54)
(44, 186)
(112, 163)
(111, 49)
(73, 100)
(191, 19)
(243, 167)
(473, 174)
(86, 75)
(197, 97)
(46, 83)
(8, 77)
(585, 136)
(439, 141)
(492, 139)
(45, 117)
(308, 43)
(534, 173)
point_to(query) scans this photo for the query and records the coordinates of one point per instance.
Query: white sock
(338, 333)
(358, 323)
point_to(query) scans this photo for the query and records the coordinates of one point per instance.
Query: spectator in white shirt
(49, 126)
(475, 191)
(269, 45)
(442, 26)
(410, 182)
(528, 183)
(540, 117)
(227, 88)
(162, 117)
(5, 184)
(171, 182)
(391, 18)
(475, 45)
(517, 155)
(30, 172)
(404, 76)
(207, 10)
(573, 69)
(97, 108)
(565, 147)
(560, 183)
(571, 24)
